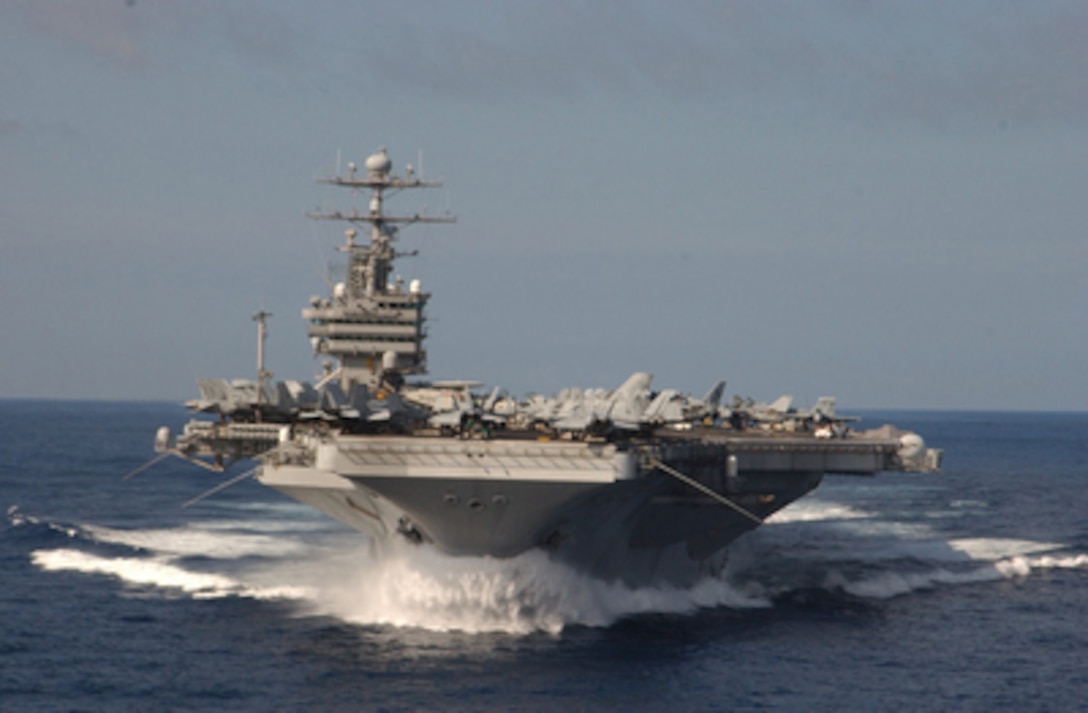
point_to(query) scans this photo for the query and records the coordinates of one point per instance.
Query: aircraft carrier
(628, 484)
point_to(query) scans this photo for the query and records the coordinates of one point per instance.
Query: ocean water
(960, 591)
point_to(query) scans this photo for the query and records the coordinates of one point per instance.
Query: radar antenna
(369, 321)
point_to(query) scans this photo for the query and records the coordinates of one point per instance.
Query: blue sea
(965, 590)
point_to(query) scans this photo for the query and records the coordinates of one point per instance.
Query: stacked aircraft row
(452, 408)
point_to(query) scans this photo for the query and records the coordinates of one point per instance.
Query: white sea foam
(197, 541)
(896, 583)
(997, 548)
(160, 574)
(930, 549)
(409, 586)
(133, 570)
(17, 518)
(816, 511)
(898, 557)
(402, 586)
(419, 587)
(275, 526)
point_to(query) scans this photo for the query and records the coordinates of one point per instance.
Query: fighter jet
(775, 412)
(467, 415)
(238, 399)
(597, 413)
(780, 414)
(671, 407)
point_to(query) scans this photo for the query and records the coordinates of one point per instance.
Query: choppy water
(959, 591)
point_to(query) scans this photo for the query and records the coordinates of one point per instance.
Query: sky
(880, 201)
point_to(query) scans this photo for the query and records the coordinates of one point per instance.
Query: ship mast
(261, 317)
(370, 326)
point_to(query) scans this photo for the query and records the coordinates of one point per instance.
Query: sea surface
(960, 591)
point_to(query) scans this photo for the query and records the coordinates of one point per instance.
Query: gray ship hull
(602, 509)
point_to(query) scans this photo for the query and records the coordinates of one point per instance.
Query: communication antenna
(262, 333)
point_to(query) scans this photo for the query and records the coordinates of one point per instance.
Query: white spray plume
(419, 587)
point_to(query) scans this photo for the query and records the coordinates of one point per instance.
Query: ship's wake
(325, 572)
(843, 550)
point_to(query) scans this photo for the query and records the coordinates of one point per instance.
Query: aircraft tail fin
(825, 406)
(493, 399)
(631, 399)
(782, 404)
(713, 398)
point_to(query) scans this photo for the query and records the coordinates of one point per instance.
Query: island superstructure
(369, 317)
(630, 484)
